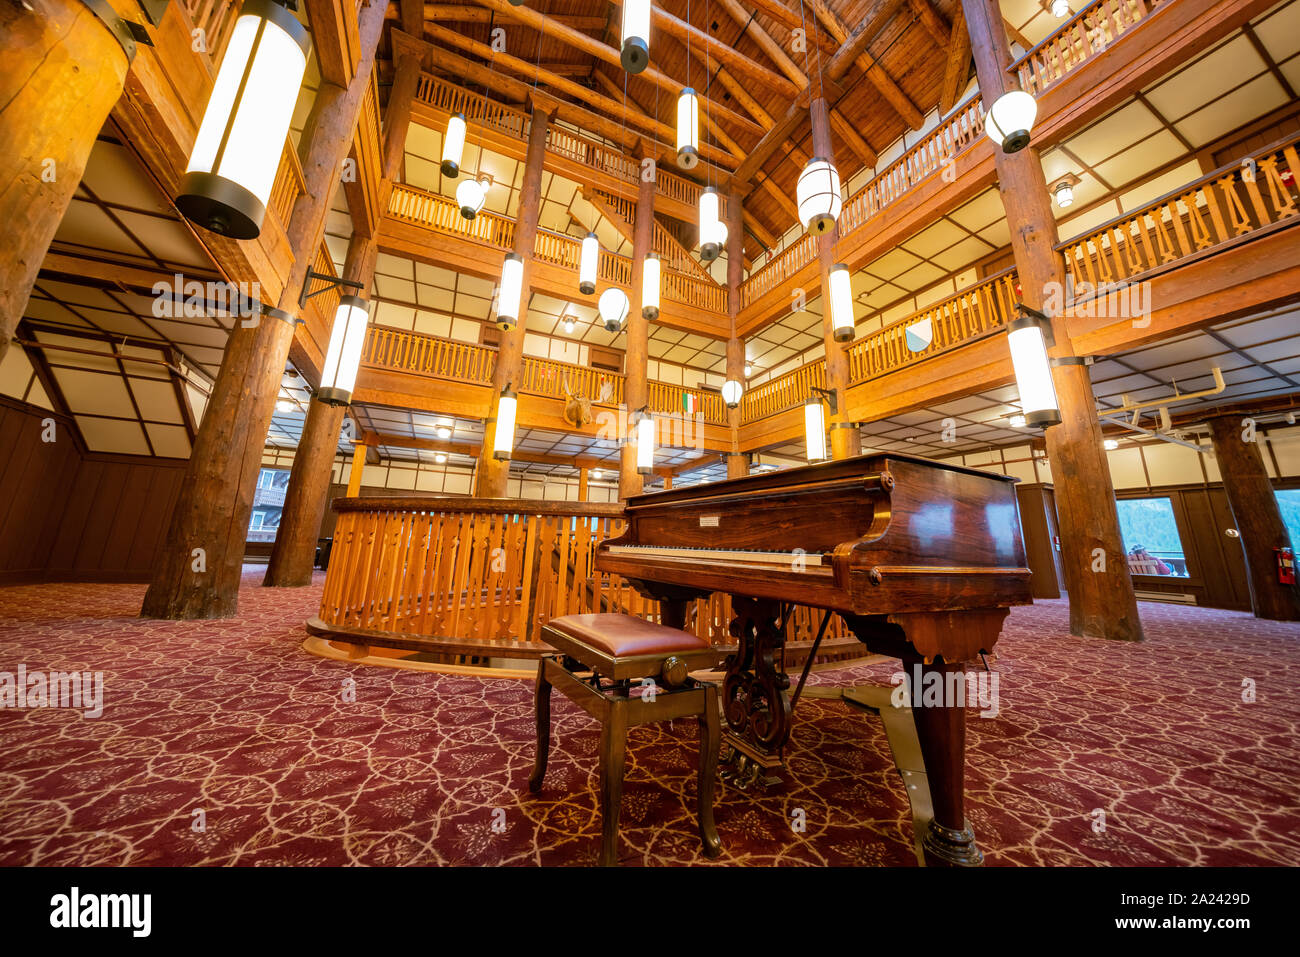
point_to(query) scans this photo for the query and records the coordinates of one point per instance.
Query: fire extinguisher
(1285, 566)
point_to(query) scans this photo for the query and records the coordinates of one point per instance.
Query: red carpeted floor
(233, 719)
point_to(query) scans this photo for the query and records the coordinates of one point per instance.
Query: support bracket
(331, 282)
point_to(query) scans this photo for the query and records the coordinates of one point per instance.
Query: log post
(737, 464)
(492, 474)
(63, 69)
(1259, 520)
(294, 552)
(357, 468)
(636, 392)
(1102, 603)
(199, 568)
(408, 57)
(846, 438)
(583, 472)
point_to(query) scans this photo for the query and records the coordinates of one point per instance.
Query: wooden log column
(1102, 603)
(492, 474)
(1259, 520)
(294, 554)
(356, 470)
(737, 464)
(198, 570)
(636, 357)
(846, 438)
(63, 70)
(408, 56)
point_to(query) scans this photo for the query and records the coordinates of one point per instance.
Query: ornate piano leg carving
(754, 697)
(941, 731)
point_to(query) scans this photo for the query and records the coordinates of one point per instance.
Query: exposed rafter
(958, 66)
(877, 74)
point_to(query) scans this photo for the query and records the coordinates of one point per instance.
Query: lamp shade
(236, 154)
(343, 357)
(588, 264)
(650, 283)
(453, 145)
(814, 429)
(841, 295)
(713, 232)
(1063, 192)
(635, 54)
(731, 393)
(1033, 371)
(1060, 9)
(503, 439)
(471, 194)
(645, 443)
(510, 292)
(818, 194)
(613, 308)
(1010, 119)
(688, 129)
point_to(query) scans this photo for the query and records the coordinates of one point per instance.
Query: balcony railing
(422, 354)
(1080, 39)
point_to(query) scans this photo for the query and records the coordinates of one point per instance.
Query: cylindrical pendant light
(814, 429)
(1010, 119)
(650, 282)
(645, 443)
(453, 145)
(731, 393)
(568, 325)
(510, 292)
(1033, 371)
(471, 194)
(841, 292)
(343, 357)
(503, 439)
(236, 154)
(635, 55)
(1063, 192)
(818, 195)
(613, 308)
(588, 264)
(713, 232)
(688, 129)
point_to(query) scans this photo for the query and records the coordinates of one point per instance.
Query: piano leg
(941, 731)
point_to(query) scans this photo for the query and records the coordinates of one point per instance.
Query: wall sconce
(236, 154)
(841, 300)
(635, 54)
(814, 423)
(688, 129)
(1027, 338)
(818, 195)
(453, 145)
(1010, 119)
(510, 292)
(588, 264)
(645, 442)
(650, 283)
(343, 357)
(503, 439)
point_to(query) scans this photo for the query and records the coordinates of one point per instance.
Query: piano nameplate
(709, 521)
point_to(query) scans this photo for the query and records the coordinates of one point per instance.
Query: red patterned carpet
(232, 718)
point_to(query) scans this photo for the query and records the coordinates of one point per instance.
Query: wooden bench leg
(710, 741)
(613, 752)
(542, 697)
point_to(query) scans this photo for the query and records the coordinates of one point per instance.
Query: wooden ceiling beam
(580, 41)
(792, 19)
(877, 74)
(336, 39)
(750, 26)
(933, 21)
(470, 13)
(957, 68)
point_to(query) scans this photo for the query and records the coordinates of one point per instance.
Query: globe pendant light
(650, 282)
(688, 129)
(1060, 9)
(645, 443)
(1010, 119)
(236, 154)
(503, 439)
(471, 194)
(841, 295)
(568, 326)
(1033, 369)
(510, 292)
(613, 308)
(453, 145)
(818, 195)
(713, 232)
(343, 357)
(731, 393)
(588, 264)
(635, 54)
(814, 429)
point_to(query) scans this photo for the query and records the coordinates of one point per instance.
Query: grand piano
(921, 559)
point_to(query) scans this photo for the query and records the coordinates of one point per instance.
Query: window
(1151, 539)
(259, 519)
(1288, 500)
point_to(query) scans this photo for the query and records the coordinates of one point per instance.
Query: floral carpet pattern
(223, 742)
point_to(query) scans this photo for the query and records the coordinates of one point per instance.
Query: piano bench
(601, 658)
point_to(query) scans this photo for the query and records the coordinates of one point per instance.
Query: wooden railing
(288, 185)
(1226, 206)
(1080, 39)
(215, 18)
(423, 354)
(482, 576)
(443, 215)
(782, 393)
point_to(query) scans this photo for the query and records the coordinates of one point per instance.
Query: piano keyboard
(740, 555)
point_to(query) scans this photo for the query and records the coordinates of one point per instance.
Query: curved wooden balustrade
(423, 354)
(1080, 39)
(1230, 205)
(482, 576)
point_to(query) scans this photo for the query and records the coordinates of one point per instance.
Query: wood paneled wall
(71, 515)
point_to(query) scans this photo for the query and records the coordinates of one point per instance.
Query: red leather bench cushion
(623, 636)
